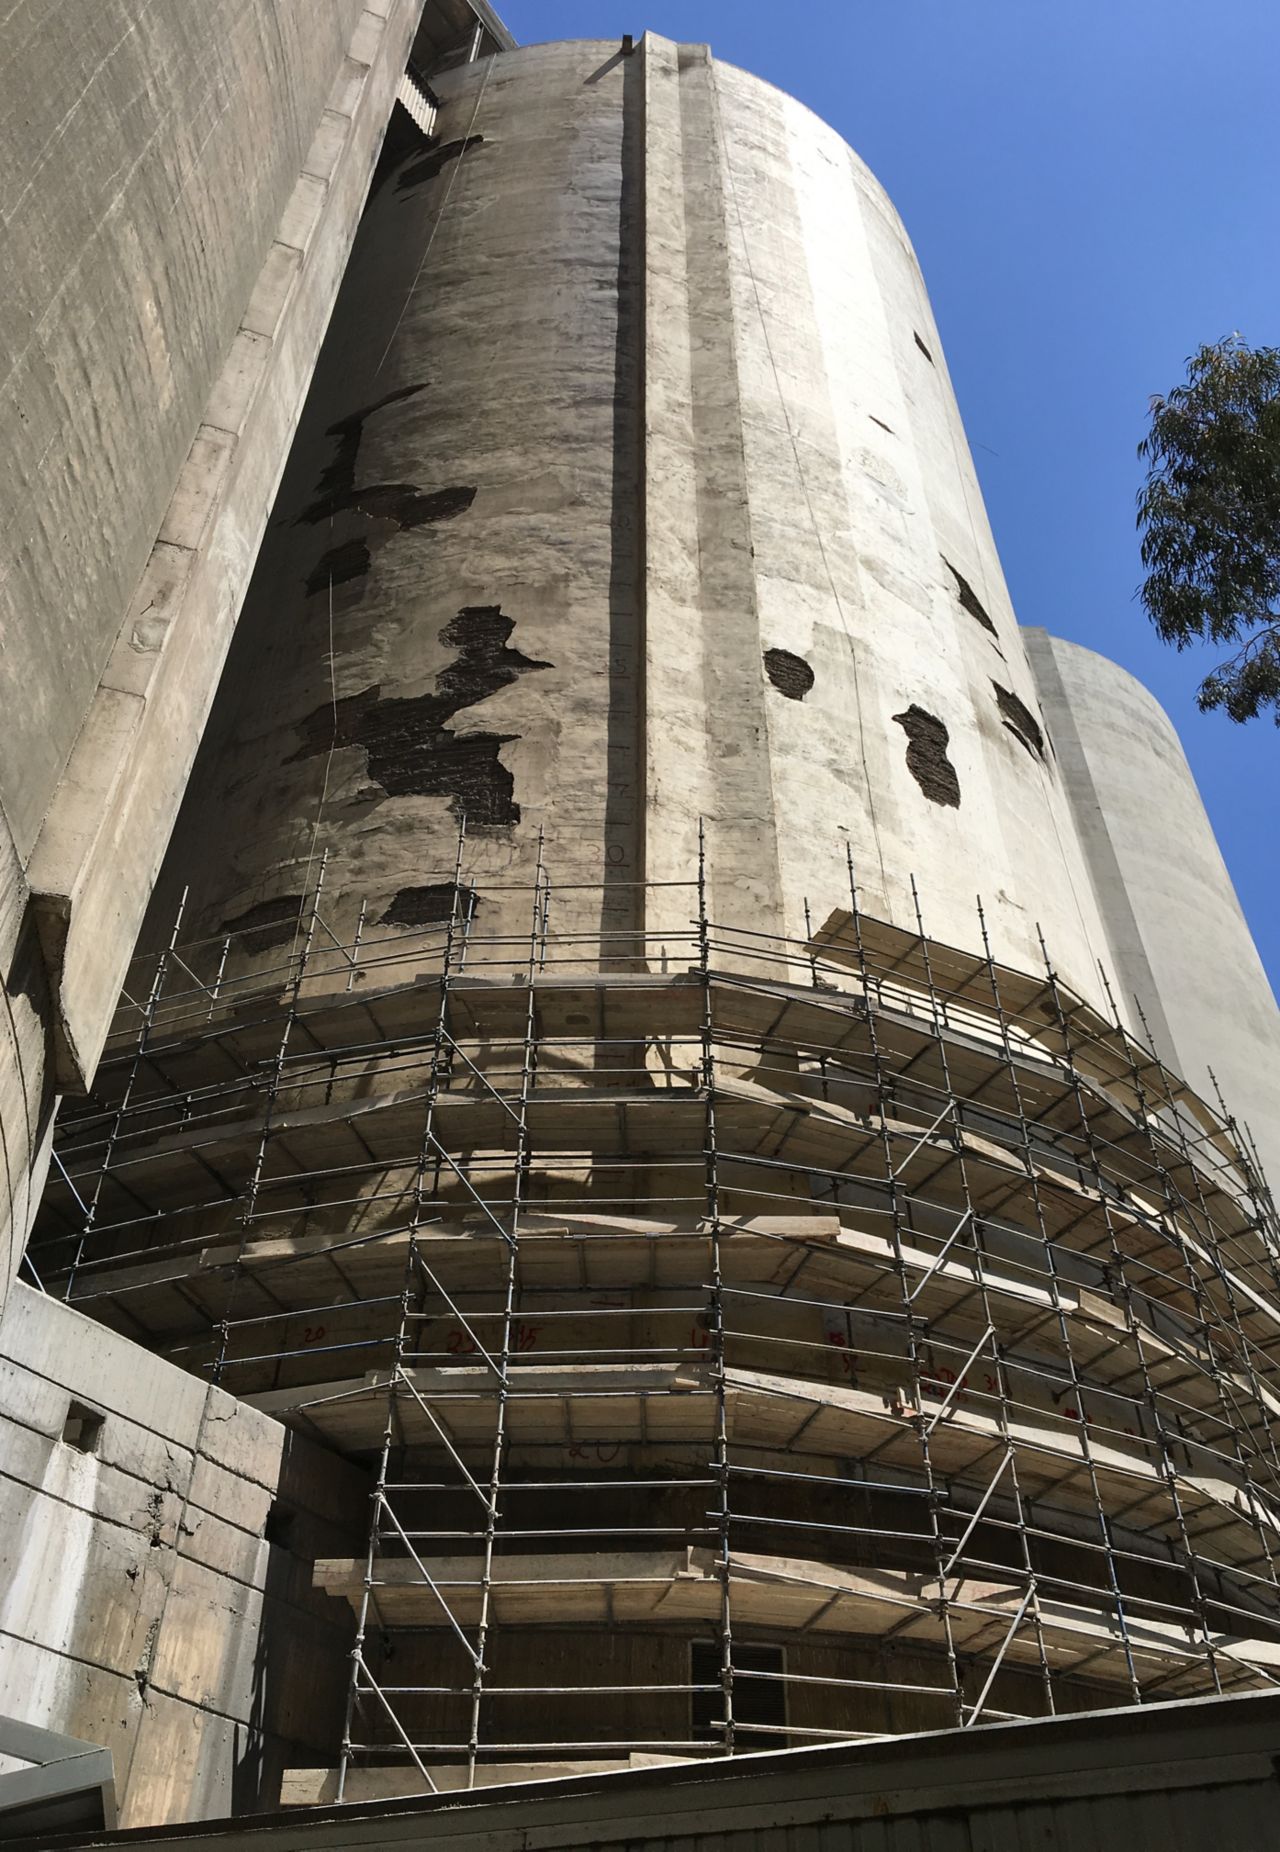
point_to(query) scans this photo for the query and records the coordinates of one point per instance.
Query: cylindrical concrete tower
(772, 1301)
(1180, 943)
(632, 491)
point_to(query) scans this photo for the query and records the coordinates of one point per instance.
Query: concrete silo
(634, 1068)
(632, 463)
(1180, 944)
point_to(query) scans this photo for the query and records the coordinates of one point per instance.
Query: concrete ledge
(1199, 1774)
(66, 1783)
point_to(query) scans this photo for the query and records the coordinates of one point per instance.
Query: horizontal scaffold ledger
(748, 1341)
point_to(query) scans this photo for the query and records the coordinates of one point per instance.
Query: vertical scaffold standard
(749, 1342)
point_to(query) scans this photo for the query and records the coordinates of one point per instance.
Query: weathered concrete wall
(26, 1092)
(141, 1605)
(632, 490)
(447, 525)
(145, 158)
(181, 188)
(812, 511)
(1180, 942)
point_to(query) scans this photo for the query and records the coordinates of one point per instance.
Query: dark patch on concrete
(339, 479)
(280, 1526)
(410, 749)
(431, 164)
(1020, 720)
(271, 922)
(969, 599)
(401, 502)
(881, 423)
(923, 349)
(403, 140)
(348, 561)
(790, 675)
(28, 974)
(927, 760)
(430, 906)
(155, 1519)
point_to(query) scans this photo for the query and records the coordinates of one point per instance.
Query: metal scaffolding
(775, 1341)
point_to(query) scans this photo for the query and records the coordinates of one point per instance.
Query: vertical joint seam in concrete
(1096, 844)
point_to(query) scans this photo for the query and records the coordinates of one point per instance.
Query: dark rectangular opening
(82, 1428)
(759, 1695)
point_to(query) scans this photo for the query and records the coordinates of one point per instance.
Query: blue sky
(1093, 190)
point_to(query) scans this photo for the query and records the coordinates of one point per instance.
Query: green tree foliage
(1210, 515)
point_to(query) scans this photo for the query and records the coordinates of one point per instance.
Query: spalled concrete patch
(340, 476)
(431, 164)
(969, 599)
(1019, 719)
(270, 923)
(338, 566)
(411, 750)
(433, 905)
(790, 675)
(927, 761)
(402, 502)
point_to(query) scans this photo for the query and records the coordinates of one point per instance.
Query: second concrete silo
(1181, 946)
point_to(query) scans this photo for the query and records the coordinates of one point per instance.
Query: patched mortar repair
(969, 599)
(790, 675)
(1019, 719)
(927, 761)
(410, 750)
